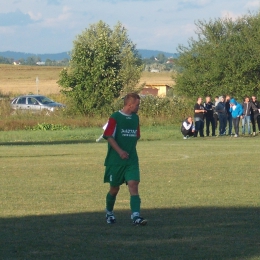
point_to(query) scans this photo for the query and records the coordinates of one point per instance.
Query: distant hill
(44, 57)
(64, 55)
(146, 54)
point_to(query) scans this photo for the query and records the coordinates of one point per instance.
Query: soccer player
(121, 162)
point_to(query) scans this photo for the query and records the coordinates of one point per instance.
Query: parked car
(35, 103)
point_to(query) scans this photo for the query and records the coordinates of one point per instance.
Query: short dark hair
(129, 97)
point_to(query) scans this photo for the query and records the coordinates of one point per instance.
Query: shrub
(45, 127)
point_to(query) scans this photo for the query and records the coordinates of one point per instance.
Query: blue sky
(50, 26)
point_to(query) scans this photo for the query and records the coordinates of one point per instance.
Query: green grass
(200, 196)
(79, 135)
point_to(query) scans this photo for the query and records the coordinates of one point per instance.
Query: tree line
(159, 62)
(34, 61)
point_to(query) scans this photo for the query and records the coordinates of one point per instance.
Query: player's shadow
(183, 233)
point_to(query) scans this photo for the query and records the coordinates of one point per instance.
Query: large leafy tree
(225, 59)
(104, 63)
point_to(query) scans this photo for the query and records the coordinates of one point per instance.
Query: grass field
(200, 196)
(22, 79)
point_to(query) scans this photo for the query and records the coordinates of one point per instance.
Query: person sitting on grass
(187, 128)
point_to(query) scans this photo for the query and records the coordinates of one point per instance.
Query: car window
(32, 101)
(29, 101)
(21, 101)
(44, 100)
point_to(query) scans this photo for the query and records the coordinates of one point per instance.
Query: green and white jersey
(125, 130)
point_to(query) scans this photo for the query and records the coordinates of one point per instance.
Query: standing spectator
(209, 106)
(215, 114)
(187, 128)
(229, 117)
(255, 117)
(246, 117)
(222, 115)
(199, 111)
(236, 111)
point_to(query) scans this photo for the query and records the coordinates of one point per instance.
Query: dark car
(35, 103)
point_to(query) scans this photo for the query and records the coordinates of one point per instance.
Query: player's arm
(123, 154)
(109, 134)
(138, 132)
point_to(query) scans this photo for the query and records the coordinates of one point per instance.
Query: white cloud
(60, 20)
(197, 2)
(7, 30)
(253, 4)
(187, 29)
(56, 22)
(231, 15)
(66, 9)
(35, 16)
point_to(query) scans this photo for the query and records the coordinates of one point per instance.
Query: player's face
(135, 105)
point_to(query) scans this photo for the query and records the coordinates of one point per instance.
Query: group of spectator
(221, 116)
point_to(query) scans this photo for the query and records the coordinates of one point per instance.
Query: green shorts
(116, 175)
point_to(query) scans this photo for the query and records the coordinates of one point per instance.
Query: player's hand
(124, 155)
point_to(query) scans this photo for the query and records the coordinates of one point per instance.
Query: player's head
(132, 102)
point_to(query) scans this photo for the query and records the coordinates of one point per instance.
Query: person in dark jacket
(187, 128)
(246, 117)
(222, 115)
(215, 114)
(255, 116)
(236, 111)
(199, 112)
(209, 106)
(229, 117)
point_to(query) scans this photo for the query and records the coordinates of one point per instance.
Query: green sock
(110, 202)
(135, 203)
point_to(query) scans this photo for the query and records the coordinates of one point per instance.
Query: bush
(51, 127)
